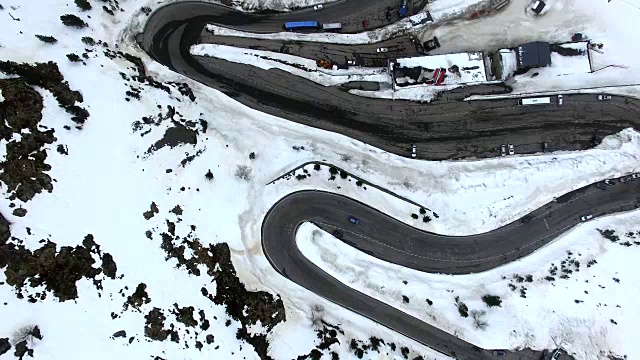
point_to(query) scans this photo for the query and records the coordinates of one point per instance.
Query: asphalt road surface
(448, 128)
(444, 129)
(391, 240)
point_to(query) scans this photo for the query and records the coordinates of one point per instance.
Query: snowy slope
(140, 201)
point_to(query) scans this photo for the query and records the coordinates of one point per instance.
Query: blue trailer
(296, 25)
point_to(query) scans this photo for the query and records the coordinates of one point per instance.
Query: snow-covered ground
(603, 22)
(590, 312)
(109, 183)
(292, 64)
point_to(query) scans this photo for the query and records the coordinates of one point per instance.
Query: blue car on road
(354, 220)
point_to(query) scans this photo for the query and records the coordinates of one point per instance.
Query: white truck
(332, 26)
(535, 101)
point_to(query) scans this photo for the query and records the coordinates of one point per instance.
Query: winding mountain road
(447, 128)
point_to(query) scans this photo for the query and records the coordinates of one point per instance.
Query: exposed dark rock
(73, 21)
(185, 315)
(174, 136)
(57, 271)
(24, 166)
(120, 333)
(138, 298)
(48, 76)
(5, 345)
(246, 307)
(47, 39)
(22, 349)
(109, 267)
(149, 214)
(20, 212)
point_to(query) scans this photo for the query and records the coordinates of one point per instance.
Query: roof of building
(534, 54)
(538, 6)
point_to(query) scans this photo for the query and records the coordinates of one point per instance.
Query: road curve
(447, 128)
(386, 238)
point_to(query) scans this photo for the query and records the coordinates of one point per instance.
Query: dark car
(354, 220)
(365, 24)
(500, 353)
(431, 44)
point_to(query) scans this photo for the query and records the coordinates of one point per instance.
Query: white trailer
(332, 26)
(535, 101)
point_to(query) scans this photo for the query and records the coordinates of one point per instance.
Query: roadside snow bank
(295, 65)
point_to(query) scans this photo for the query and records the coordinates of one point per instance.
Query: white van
(535, 101)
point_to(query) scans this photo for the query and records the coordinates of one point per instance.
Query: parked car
(431, 44)
(556, 355)
(503, 150)
(511, 149)
(601, 186)
(545, 147)
(354, 220)
(413, 151)
(586, 217)
(602, 97)
(537, 7)
(500, 353)
(387, 14)
(635, 176)
(365, 24)
(624, 179)
(560, 100)
(609, 182)
(351, 62)
(317, 7)
(382, 50)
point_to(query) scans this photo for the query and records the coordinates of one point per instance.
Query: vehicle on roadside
(609, 182)
(556, 355)
(332, 26)
(365, 24)
(635, 176)
(382, 50)
(387, 14)
(499, 353)
(499, 4)
(351, 62)
(602, 97)
(535, 101)
(586, 217)
(438, 76)
(503, 150)
(413, 151)
(318, 7)
(511, 149)
(537, 6)
(323, 63)
(560, 99)
(404, 6)
(354, 220)
(601, 186)
(545, 147)
(301, 25)
(432, 44)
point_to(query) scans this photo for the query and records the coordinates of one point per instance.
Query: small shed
(538, 6)
(532, 55)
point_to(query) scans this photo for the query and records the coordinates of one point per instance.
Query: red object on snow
(365, 24)
(438, 76)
